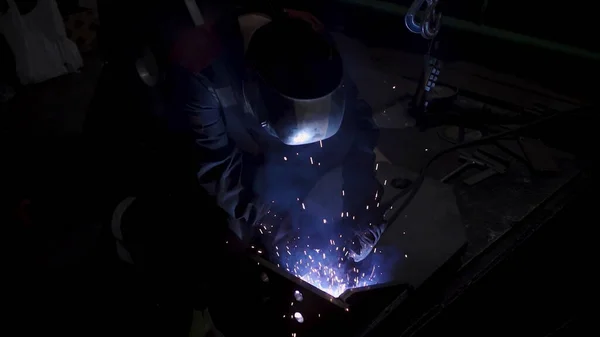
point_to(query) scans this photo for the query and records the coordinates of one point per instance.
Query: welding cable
(416, 185)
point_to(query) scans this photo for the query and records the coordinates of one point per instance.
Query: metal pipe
(483, 30)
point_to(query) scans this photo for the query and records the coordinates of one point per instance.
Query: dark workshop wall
(555, 21)
(551, 20)
(25, 6)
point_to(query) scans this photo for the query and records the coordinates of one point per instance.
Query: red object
(196, 48)
(306, 16)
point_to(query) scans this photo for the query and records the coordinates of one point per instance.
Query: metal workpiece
(478, 159)
(403, 254)
(426, 233)
(300, 309)
(269, 268)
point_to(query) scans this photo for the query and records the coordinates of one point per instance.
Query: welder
(270, 110)
(263, 99)
(258, 107)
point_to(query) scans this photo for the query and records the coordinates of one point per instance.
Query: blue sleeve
(359, 164)
(196, 113)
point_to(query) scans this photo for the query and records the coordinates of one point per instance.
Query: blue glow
(327, 268)
(323, 260)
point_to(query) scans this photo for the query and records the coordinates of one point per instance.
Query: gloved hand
(245, 226)
(365, 240)
(284, 230)
(367, 226)
(258, 211)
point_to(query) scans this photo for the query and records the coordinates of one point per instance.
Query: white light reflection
(298, 296)
(300, 137)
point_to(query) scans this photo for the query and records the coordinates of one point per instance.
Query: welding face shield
(294, 83)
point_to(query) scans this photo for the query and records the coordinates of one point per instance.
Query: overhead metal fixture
(194, 12)
(430, 26)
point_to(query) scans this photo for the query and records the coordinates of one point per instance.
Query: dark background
(538, 290)
(554, 21)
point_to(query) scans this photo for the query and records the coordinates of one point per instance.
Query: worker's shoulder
(196, 48)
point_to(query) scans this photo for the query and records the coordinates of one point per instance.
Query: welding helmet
(293, 82)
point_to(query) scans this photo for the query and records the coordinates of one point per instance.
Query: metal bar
(305, 285)
(479, 177)
(195, 12)
(483, 30)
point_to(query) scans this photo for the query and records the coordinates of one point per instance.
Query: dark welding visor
(296, 121)
(293, 83)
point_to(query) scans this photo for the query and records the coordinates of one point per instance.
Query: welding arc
(416, 185)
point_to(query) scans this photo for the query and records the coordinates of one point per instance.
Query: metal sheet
(313, 312)
(427, 233)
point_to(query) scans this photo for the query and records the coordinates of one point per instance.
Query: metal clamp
(480, 159)
(431, 22)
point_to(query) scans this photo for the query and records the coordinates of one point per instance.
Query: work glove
(367, 226)
(284, 230)
(247, 223)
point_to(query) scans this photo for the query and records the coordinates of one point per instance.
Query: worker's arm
(360, 182)
(196, 114)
